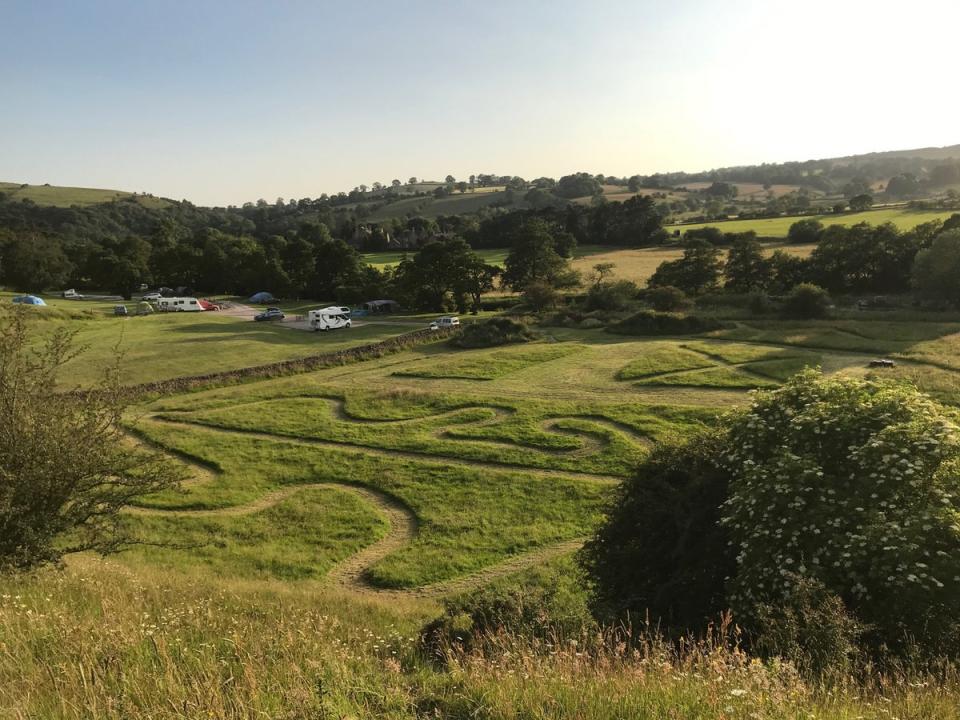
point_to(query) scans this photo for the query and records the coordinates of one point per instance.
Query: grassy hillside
(330, 512)
(903, 218)
(62, 196)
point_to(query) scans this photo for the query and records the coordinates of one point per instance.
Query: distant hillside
(949, 152)
(59, 196)
(821, 179)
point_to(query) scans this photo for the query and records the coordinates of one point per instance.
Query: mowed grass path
(903, 218)
(496, 453)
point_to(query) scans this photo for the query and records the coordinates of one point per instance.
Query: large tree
(539, 252)
(863, 258)
(444, 272)
(33, 262)
(746, 268)
(936, 270)
(696, 272)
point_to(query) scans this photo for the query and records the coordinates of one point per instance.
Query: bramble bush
(548, 603)
(651, 322)
(493, 332)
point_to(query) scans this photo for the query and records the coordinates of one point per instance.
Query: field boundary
(370, 351)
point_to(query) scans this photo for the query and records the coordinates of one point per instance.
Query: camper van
(329, 318)
(179, 304)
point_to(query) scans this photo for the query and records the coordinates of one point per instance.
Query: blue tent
(28, 300)
(261, 297)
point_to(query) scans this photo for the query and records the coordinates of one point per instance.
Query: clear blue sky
(224, 102)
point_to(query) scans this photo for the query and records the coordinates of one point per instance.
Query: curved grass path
(352, 574)
(591, 441)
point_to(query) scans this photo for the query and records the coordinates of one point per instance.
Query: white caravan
(179, 304)
(329, 318)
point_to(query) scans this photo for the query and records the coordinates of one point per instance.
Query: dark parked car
(270, 314)
(884, 363)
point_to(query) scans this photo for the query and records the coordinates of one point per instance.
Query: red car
(207, 305)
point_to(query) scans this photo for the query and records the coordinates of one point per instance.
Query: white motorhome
(329, 318)
(179, 304)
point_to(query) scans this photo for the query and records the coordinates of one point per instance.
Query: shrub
(825, 516)
(712, 235)
(806, 302)
(65, 470)
(805, 231)
(496, 331)
(661, 549)
(760, 303)
(854, 484)
(667, 298)
(540, 296)
(650, 322)
(611, 295)
(811, 627)
(548, 603)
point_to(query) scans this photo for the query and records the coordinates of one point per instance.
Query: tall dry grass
(97, 641)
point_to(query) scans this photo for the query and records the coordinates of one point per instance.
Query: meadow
(638, 264)
(330, 513)
(634, 264)
(494, 256)
(903, 218)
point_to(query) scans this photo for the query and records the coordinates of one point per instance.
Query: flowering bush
(855, 484)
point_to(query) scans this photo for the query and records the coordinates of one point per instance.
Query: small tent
(28, 300)
(261, 298)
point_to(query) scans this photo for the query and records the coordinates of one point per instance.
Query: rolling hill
(64, 196)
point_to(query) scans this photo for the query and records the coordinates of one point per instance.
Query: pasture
(903, 218)
(638, 264)
(329, 512)
(168, 345)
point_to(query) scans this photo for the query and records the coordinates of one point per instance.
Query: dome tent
(261, 298)
(28, 300)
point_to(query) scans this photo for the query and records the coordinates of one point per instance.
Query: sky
(227, 102)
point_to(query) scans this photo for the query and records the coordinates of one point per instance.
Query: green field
(59, 196)
(330, 511)
(530, 437)
(164, 346)
(494, 256)
(903, 218)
